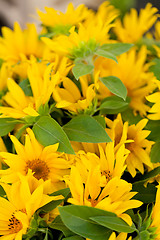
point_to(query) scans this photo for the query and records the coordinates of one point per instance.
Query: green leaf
(106, 54)
(145, 194)
(26, 87)
(75, 237)
(155, 68)
(155, 153)
(113, 105)
(100, 120)
(114, 223)
(115, 85)
(81, 69)
(154, 127)
(49, 132)
(7, 125)
(2, 192)
(128, 116)
(85, 128)
(64, 192)
(59, 225)
(77, 219)
(50, 206)
(149, 175)
(116, 48)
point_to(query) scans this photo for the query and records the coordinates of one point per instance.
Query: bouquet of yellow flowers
(80, 126)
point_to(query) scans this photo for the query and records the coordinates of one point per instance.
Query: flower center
(14, 224)
(39, 168)
(107, 174)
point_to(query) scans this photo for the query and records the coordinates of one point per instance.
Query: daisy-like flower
(45, 162)
(134, 26)
(111, 164)
(114, 197)
(20, 105)
(132, 70)
(154, 112)
(20, 44)
(82, 43)
(60, 23)
(70, 98)
(134, 138)
(24, 198)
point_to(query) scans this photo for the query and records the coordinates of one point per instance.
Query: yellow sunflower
(114, 197)
(134, 26)
(81, 43)
(60, 22)
(154, 112)
(20, 105)
(111, 164)
(45, 162)
(71, 98)
(134, 138)
(24, 198)
(132, 70)
(18, 44)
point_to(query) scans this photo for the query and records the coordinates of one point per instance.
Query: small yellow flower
(114, 197)
(70, 98)
(24, 198)
(20, 105)
(111, 164)
(45, 162)
(82, 43)
(20, 44)
(134, 27)
(61, 22)
(132, 70)
(134, 138)
(155, 98)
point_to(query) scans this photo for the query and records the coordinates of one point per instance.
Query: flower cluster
(79, 126)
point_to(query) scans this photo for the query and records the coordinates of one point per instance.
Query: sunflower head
(134, 138)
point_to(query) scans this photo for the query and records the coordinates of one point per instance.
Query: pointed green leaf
(115, 85)
(85, 128)
(116, 48)
(114, 223)
(146, 194)
(106, 54)
(59, 225)
(75, 237)
(49, 132)
(26, 87)
(113, 104)
(77, 219)
(100, 120)
(149, 175)
(7, 125)
(81, 69)
(155, 153)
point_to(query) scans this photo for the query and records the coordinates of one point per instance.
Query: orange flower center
(14, 224)
(107, 174)
(39, 168)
